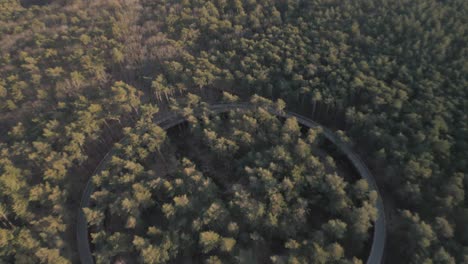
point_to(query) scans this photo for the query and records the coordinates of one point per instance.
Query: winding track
(170, 120)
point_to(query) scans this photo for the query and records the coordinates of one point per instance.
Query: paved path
(170, 120)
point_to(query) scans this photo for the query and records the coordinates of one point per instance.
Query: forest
(259, 196)
(82, 79)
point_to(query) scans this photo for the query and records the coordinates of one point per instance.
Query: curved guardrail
(172, 119)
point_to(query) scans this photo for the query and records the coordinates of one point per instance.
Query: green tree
(335, 228)
(209, 241)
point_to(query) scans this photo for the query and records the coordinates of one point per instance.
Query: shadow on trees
(30, 3)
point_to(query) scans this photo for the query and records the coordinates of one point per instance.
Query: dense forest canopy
(267, 193)
(75, 75)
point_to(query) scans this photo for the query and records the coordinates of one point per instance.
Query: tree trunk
(314, 104)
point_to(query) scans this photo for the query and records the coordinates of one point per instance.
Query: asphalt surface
(171, 119)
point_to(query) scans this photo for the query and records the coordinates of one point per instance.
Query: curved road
(170, 120)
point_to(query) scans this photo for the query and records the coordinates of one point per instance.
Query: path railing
(173, 119)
